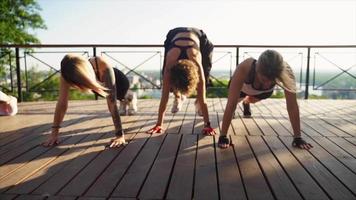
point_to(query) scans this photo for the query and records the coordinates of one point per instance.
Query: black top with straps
(252, 76)
(183, 49)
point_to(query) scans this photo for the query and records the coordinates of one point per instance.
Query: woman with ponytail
(94, 75)
(253, 81)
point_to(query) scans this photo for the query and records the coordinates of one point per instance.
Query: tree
(17, 19)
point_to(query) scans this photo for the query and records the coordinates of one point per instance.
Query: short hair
(76, 73)
(184, 76)
(274, 68)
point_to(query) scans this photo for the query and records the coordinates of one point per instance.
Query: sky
(254, 22)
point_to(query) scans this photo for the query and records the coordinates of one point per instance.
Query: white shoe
(178, 103)
(132, 104)
(123, 107)
(198, 109)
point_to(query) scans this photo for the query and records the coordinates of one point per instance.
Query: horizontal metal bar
(161, 45)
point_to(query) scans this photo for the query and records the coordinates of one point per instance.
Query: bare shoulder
(103, 61)
(245, 65)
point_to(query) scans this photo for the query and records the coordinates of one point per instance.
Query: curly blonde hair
(75, 70)
(184, 76)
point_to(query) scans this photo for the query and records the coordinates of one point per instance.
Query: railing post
(306, 95)
(94, 55)
(237, 59)
(18, 74)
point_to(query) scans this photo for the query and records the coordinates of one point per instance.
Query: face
(265, 82)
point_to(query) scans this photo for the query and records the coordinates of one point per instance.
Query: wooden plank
(352, 140)
(189, 118)
(325, 123)
(177, 118)
(330, 184)
(91, 198)
(81, 183)
(308, 188)
(30, 197)
(236, 126)
(348, 160)
(344, 174)
(158, 178)
(271, 119)
(109, 179)
(7, 196)
(25, 158)
(181, 183)
(60, 198)
(205, 170)
(252, 176)
(20, 148)
(41, 176)
(345, 145)
(35, 165)
(107, 182)
(66, 174)
(130, 185)
(260, 121)
(282, 187)
(230, 180)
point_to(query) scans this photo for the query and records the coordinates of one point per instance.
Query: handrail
(95, 46)
(161, 45)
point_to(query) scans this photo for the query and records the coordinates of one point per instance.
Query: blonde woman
(186, 68)
(93, 75)
(253, 81)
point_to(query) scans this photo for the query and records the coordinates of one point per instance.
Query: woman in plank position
(253, 81)
(186, 68)
(94, 75)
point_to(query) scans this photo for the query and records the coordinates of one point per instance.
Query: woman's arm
(236, 83)
(293, 112)
(61, 109)
(110, 83)
(165, 94)
(201, 91)
(294, 117)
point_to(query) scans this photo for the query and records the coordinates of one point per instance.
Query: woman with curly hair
(186, 67)
(253, 81)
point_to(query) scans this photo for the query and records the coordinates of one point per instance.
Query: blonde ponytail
(75, 71)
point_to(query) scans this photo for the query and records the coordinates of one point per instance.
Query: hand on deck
(116, 142)
(301, 144)
(52, 140)
(155, 129)
(207, 130)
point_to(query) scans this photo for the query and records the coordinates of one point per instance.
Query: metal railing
(226, 54)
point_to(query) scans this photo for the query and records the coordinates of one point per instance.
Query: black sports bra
(183, 49)
(252, 76)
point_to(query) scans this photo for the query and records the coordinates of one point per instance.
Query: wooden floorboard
(180, 163)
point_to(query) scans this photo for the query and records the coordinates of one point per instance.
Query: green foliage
(17, 19)
(278, 94)
(145, 97)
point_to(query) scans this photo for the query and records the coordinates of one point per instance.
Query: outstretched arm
(110, 83)
(201, 98)
(236, 83)
(61, 108)
(164, 99)
(294, 117)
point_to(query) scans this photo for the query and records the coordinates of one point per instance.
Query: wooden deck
(181, 164)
